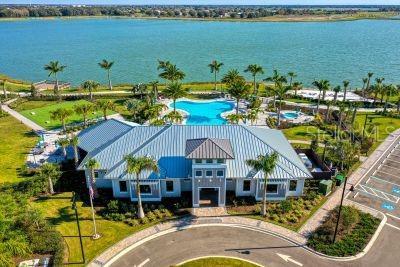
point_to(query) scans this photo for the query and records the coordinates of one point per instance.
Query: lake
(314, 50)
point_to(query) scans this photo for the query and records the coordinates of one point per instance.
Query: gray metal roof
(209, 148)
(167, 144)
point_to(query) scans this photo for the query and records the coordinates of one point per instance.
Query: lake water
(320, 50)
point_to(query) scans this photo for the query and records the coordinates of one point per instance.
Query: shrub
(112, 206)
(282, 220)
(48, 242)
(144, 220)
(132, 222)
(158, 213)
(285, 206)
(167, 213)
(118, 217)
(274, 217)
(151, 216)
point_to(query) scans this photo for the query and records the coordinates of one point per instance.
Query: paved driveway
(261, 248)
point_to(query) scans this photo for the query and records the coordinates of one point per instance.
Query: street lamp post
(340, 209)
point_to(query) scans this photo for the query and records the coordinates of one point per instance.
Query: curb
(118, 255)
(218, 256)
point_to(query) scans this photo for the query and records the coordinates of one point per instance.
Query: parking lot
(380, 188)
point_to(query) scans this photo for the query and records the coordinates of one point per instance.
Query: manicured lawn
(57, 209)
(218, 261)
(16, 141)
(41, 114)
(385, 125)
(306, 133)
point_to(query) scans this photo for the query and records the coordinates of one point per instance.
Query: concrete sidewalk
(19, 117)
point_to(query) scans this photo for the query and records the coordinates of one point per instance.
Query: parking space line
(391, 160)
(388, 174)
(387, 166)
(391, 225)
(394, 217)
(383, 180)
(379, 193)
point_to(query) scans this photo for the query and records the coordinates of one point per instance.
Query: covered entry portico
(209, 196)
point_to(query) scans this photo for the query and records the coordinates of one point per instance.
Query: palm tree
(369, 76)
(266, 164)
(107, 65)
(154, 87)
(174, 91)
(50, 172)
(91, 165)
(54, 68)
(390, 90)
(254, 69)
(253, 115)
(239, 90)
(276, 78)
(231, 77)
(342, 109)
(337, 90)
(280, 90)
(3, 84)
(104, 106)
(63, 142)
(345, 86)
(135, 166)
(173, 117)
(296, 86)
(323, 86)
(61, 114)
(74, 141)
(84, 110)
(291, 75)
(172, 73)
(90, 86)
(364, 81)
(234, 118)
(328, 110)
(215, 68)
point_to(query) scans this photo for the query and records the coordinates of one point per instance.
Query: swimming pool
(204, 112)
(290, 115)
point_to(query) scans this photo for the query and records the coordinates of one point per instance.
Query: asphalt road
(258, 247)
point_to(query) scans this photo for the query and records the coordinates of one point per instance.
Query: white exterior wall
(116, 190)
(100, 181)
(177, 188)
(239, 188)
(299, 189)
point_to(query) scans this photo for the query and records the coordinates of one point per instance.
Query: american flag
(91, 192)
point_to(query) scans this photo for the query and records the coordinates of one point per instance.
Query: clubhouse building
(207, 161)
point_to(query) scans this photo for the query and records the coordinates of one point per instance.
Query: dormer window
(220, 161)
(209, 161)
(198, 161)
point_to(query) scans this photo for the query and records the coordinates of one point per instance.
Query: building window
(220, 173)
(209, 161)
(122, 187)
(170, 186)
(198, 161)
(209, 173)
(96, 174)
(220, 161)
(246, 185)
(145, 189)
(272, 188)
(293, 185)
(199, 173)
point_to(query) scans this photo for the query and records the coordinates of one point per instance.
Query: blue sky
(255, 2)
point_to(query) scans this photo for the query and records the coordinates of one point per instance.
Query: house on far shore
(207, 161)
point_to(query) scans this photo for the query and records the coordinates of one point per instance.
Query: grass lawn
(305, 133)
(296, 100)
(57, 209)
(218, 261)
(16, 141)
(41, 114)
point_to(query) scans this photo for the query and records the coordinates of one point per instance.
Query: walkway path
(19, 117)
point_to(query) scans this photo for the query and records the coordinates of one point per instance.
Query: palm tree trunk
(76, 157)
(105, 114)
(174, 105)
(109, 80)
(91, 95)
(4, 89)
(278, 123)
(344, 94)
(353, 118)
(237, 106)
(215, 80)
(64, 152)
(84, 120)
(56, 88)
(51, 188)
(254, 83)
(386, 103)
(335, 97)
(95, 235)
(264, 208)
(398, 105)
(367, 87)
(327, 112)
(140, 208)
(63, 125)
(93, 184)
(319, 97)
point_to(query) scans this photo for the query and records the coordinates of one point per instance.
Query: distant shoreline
(324, 18)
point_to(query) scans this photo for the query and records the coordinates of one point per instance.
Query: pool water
(204, 113)
(290, 115)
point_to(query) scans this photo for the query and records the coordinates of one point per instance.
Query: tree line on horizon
(239, 12)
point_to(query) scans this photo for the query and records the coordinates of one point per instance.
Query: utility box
(339, 179)
(325, 187)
